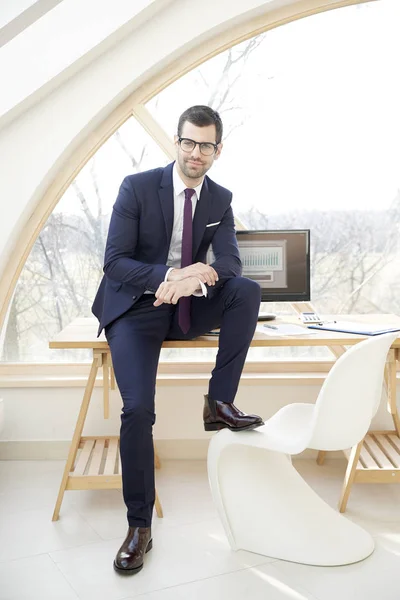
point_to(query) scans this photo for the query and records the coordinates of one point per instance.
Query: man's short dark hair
(201, 116)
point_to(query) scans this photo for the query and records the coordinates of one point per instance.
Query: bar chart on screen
(262, 258)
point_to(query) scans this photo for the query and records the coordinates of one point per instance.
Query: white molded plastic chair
(264, 504)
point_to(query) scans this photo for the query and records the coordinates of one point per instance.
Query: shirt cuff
(167, 273)
(203, 291)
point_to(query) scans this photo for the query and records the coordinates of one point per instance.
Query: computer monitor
(279, 261)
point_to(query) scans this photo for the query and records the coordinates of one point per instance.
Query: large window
(64, 268)
(312, 126)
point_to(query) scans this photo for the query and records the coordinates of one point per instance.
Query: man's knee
(245, 288)
(138, 414)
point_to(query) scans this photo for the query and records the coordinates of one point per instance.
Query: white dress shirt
(175, 248)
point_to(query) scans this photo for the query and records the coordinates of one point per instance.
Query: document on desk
(283, 330)
(360, 328)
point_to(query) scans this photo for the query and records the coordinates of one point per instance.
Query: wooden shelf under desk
(97, 464)
(379, 460)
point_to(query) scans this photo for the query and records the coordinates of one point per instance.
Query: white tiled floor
(190, 560)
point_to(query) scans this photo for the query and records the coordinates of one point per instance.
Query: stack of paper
(283, 329)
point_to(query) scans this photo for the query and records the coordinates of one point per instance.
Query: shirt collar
(180, 186)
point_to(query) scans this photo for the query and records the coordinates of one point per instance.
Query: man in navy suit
(157, 286)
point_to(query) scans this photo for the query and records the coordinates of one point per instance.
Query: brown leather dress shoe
(129, 559)
(221, 415)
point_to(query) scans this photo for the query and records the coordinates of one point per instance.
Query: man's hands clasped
(169, 292)
(184, 282)
(205, 273)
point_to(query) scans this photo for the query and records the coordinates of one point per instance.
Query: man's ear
(218, 152)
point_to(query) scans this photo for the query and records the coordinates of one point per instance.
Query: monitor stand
(266, 316)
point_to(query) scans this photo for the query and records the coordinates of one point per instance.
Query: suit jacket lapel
(201, 214)
(166, 195)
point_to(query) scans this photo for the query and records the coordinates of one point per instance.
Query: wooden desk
(98, 464)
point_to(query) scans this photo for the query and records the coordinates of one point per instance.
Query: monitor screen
(279, 261)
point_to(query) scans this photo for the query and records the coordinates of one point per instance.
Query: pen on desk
(271, 326)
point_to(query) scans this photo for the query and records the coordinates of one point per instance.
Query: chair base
(266, 507)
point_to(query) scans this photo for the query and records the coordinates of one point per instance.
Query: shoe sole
(136, 569)
(218, 426)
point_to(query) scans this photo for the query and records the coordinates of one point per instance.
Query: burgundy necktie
(186, 259)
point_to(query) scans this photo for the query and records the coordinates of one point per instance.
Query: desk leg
(158, 506)
(390, 380)
(350, 475)
(157, 462)
(97, 362)
(337, 351)
(112, 375)
(106, 386)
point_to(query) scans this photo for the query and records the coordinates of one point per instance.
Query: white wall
(50, 413)
(11, 10)
(39, 422)
(77, 33)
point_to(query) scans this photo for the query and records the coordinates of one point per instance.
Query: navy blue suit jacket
(140, 234)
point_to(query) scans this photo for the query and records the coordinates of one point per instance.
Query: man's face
(194, 164)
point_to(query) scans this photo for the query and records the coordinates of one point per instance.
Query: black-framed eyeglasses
(206, 148)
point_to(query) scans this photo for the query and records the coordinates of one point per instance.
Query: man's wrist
(198, 285)
(200, 289)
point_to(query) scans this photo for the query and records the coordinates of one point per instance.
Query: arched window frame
(72, 163)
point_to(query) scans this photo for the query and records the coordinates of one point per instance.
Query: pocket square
(212, 224)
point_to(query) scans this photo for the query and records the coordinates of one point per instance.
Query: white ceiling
(18, 15)
(59, 41)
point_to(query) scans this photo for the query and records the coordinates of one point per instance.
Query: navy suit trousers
(135, 340)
